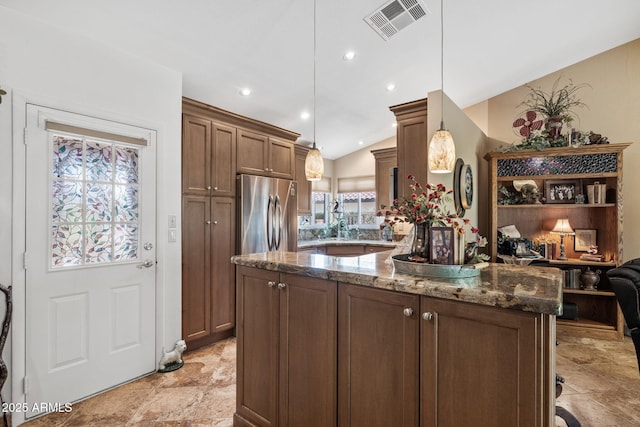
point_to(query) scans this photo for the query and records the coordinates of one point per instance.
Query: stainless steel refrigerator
(267, 214)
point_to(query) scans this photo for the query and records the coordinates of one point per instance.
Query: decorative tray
(404, 266)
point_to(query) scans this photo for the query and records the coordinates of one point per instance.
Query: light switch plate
(172, 221)
(172, 235)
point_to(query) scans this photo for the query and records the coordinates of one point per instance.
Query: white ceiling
(220, 46)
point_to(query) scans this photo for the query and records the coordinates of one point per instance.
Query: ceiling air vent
(394, 16)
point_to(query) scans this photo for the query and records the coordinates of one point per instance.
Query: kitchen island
(325, 341)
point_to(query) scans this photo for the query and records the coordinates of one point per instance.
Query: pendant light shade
(442, 152)
(442, 149)
(313, 165)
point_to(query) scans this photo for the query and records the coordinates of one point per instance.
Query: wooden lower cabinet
(484, 366)
(378, 357)
(396, 359)
(286, 350)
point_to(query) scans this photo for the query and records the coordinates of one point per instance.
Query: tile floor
(602, 389)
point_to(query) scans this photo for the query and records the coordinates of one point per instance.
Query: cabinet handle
(215, 222)
(281, 285)
(408, 312)
(208, 187)
(427, 315)
(208, 222)
(271, 283)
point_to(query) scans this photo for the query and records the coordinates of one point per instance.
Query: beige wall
(358, 163)
(613, 110)
(470, 143)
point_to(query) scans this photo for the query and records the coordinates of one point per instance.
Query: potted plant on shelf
(555, 106)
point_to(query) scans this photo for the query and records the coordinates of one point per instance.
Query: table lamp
(562, 228)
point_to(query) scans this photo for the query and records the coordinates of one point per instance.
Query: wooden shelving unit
(598, 313)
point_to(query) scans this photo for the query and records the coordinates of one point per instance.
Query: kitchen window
(357, 197)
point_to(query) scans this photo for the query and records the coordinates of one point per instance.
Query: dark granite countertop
(523, 288)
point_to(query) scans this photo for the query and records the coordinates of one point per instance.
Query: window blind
(357, 184)
(95, 133)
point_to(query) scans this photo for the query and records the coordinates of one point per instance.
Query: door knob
(146, 264)
(271, 283)
(148, 246)
(281, 285)
(408, 311)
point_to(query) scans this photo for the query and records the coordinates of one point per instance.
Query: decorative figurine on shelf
(172, 360)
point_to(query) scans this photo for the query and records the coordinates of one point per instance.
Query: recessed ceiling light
(360, 142)
(245, 91)
(391, 87)
(394, 125)
(349, 55)
(305, 115)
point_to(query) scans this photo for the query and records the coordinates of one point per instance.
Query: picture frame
(561, 191)
(441, 244)
(584, 238)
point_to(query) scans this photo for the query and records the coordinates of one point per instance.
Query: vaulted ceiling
(222, 46)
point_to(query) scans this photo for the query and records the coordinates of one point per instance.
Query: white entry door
(90, 255)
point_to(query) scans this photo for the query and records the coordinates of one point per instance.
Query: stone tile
(602, 389)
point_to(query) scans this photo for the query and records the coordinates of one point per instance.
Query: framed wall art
(584, 238)
(561, 191)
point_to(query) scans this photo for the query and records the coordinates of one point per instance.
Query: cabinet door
(257, 346)
(196, 268)
(476, 366)
(223, 272)
(412, 152)
(345, 250)
(224, 160)
(281, 158)
(304, 186)
(308, 355)
(252, 149)
(378, 357)
(196, 155)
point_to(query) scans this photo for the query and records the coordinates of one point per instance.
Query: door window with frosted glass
(94, 201)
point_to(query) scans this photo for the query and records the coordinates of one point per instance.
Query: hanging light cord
(442, 64)
(314, 73)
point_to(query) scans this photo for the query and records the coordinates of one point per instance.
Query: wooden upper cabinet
(304, 186)
(208, 157)
(260, 154)
(281, 158)
(223, 149)
(412, 143)
(252, 152)
(386, 160)
(196, 155)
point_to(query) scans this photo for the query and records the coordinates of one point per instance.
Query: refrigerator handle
(269, 223)
(278, 221)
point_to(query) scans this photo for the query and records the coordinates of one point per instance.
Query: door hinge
(25, 137)
(24, 260)
(25, 385)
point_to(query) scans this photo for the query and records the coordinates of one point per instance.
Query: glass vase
(420, 244)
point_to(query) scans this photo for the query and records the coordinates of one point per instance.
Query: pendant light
(313, 164)
(442, 150)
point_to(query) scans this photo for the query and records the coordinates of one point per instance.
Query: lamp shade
(442, 152)
(313, 165)
(562, 227)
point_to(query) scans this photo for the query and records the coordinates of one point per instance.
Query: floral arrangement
(427, 205)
